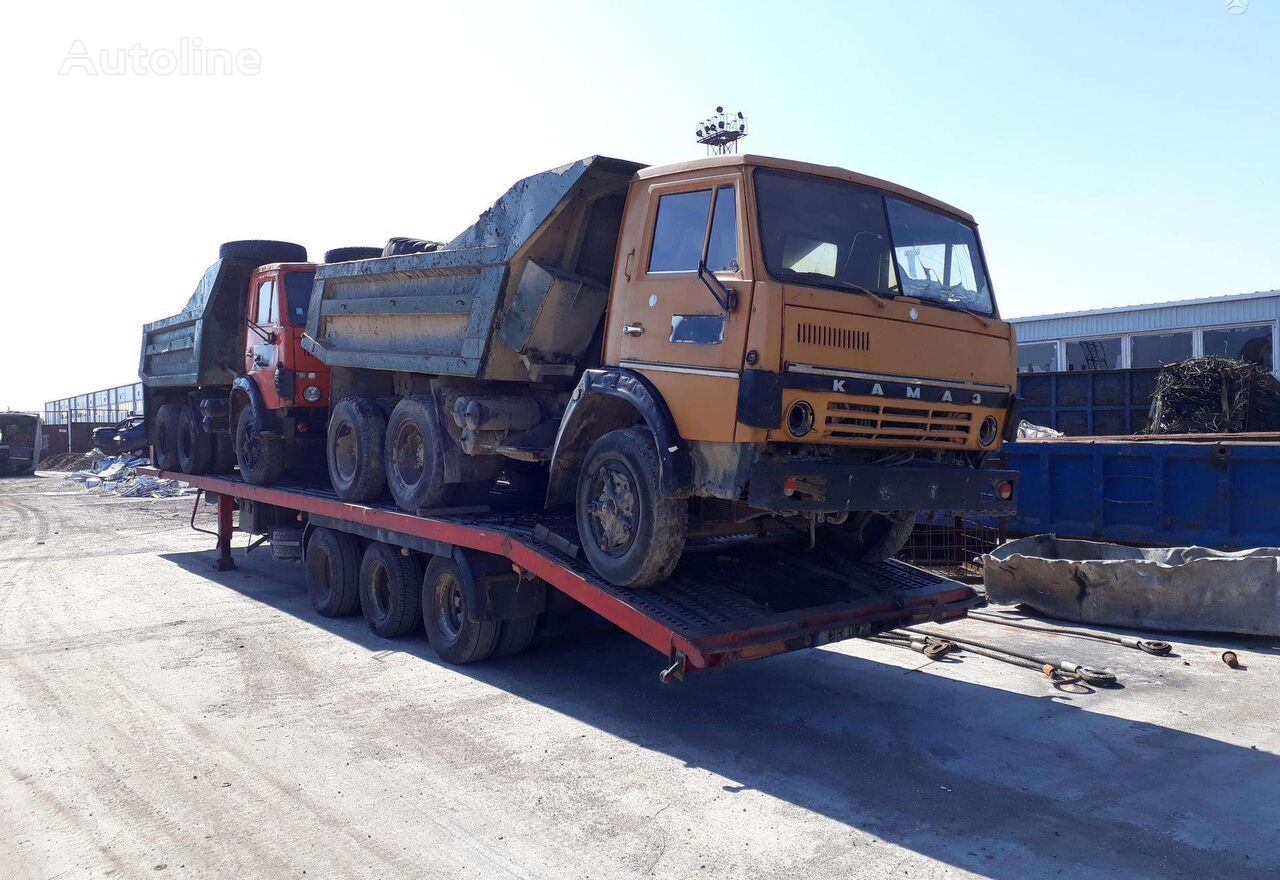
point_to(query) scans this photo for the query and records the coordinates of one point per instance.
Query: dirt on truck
(734, 348)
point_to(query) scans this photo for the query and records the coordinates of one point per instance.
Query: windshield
(837, 234)
(297, 293)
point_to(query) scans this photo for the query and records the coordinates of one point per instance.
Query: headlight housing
(311, 394)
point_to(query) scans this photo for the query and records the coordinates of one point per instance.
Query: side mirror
(726, 298)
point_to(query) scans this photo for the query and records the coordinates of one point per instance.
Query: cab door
(668, 324)
(263, 335)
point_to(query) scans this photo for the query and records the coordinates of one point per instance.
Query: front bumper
(826, 486)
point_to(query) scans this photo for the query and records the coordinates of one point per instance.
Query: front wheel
(632, 534)
(870, 537)
(261, 459)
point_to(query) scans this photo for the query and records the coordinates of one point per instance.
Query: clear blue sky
(1112, 152)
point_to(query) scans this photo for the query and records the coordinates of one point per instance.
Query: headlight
(311, 393)
(987, 433)
(800, 418)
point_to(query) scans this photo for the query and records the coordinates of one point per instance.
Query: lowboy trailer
(479, 579)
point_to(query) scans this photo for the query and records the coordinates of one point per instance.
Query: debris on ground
(1029, 431)
(1162, 588)
(70, 461)
(118, 475)
(1212, 395)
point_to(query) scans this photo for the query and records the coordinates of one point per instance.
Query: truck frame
(481, 579)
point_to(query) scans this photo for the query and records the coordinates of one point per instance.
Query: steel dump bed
(204, 343)
(516, 296)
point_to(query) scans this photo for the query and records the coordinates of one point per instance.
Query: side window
(267, 311)
(722, 246)
(679, 231)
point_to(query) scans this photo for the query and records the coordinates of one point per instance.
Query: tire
(353, 449)
(630, 532)
(260, 459)
(390, 591)
(333, 573)
(399, 246)
(414, 456)
(286, 544)
(346, 254)
(165, 439)
(870, 537)
(453, 635)
(262, 251)
(224, 454)
(516, 635)
(195, 447)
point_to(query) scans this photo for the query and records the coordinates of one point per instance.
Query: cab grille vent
(833, 337)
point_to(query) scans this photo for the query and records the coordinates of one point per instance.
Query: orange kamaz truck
(728, 349)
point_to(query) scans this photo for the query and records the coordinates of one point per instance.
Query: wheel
(415, 456)
(354, 449)
(286, 544)
(224, 454)
(390, 591)
(195, 447)
(516, 635)
(630, 532)
(261, 459)
(165, 437)
(453, 635)
(399, 245)
(345, 254)
(870, 537)
(262, 251)
(333, 572)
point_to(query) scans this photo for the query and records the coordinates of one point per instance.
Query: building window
(1094, 354)
(1159, 349)
(1241, 343)
(1038, 357)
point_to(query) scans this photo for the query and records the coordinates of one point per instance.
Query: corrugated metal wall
(1242, 309)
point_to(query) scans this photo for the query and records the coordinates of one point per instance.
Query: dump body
(517, 296)
(204, 343)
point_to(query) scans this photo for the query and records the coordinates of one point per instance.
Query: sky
(1112, 152)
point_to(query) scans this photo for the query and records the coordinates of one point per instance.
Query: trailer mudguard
(493, 590)
(675, 465)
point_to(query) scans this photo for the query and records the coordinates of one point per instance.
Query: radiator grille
(833, 337)
(922, 424)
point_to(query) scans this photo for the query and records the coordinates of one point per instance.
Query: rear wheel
(354, 449)
(631, 533)
(333, 572)
(453, 635)
(165, 437)
(390, 591)
(261, 458)
(516, 635)
(415, 456)
(870, 537)
(195, 447)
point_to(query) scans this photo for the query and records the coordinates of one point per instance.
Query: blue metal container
(1212, 494)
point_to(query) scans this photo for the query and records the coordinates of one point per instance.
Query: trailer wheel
(261, 459)
(517, 635)
(165, 437)
(415, 456)
(630, 532)
(453, 635)
(870, 537)
(354, 449)
(195, 447)
(333, 572)
(390, 591)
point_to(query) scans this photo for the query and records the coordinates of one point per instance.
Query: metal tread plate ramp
(723, 604)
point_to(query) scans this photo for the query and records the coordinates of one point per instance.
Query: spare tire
(346, 254)
(399, 245)
(262, 251)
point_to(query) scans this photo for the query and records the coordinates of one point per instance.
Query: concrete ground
(158, 718)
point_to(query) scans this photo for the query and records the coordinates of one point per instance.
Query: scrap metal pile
(1211, 395)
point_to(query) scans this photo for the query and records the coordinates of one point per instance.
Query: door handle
(633, 329)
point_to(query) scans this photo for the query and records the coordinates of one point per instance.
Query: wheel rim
(448, 606)
(250, 445)
(380, 592)
(613, 508)
(409, 454)
(345, 453)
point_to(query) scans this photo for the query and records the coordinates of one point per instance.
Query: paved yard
(159, 718)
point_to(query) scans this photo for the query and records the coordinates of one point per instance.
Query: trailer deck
(727, 602)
